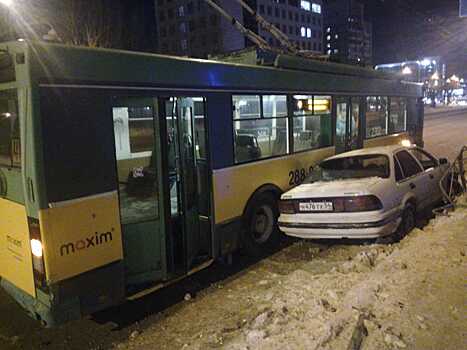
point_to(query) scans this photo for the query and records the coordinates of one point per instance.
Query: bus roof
(74, 65)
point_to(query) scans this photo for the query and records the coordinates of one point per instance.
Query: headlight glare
(36, 248)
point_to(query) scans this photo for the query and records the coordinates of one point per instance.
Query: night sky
(411, 29)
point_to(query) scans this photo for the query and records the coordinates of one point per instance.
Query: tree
(94, 23)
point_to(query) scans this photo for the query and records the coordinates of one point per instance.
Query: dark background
(412, 29)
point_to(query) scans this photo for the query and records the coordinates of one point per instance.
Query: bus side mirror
(443, 161)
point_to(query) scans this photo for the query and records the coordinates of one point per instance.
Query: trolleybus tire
(261, 233)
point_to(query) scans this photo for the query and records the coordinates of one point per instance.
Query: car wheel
(407, 223)
(261, 231)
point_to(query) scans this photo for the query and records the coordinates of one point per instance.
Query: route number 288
(297, 176)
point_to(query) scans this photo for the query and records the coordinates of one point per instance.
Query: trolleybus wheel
(261, 230)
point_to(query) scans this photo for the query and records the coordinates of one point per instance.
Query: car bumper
(358, 230)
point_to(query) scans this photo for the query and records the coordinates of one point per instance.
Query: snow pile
(356, 304)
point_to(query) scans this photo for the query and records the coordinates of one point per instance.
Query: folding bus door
(188, 182)
(141, 193)
(348, 124)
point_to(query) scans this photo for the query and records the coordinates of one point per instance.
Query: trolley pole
(263, 44)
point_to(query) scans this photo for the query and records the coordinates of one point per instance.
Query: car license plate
(316, 206)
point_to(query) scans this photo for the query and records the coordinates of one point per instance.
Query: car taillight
(357, 203)
(287, 207)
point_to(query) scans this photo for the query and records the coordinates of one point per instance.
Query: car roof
(386, 150)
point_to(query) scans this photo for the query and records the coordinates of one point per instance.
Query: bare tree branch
(76, 22)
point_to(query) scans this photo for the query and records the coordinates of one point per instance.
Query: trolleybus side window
(397, 114)
(260, 126)
(200, 128)
(312, 123)
(10, 145)
(376, 116)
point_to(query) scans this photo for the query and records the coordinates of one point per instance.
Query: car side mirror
(443, 161)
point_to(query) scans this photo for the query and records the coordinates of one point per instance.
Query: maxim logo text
(14, 241)
(89, 242)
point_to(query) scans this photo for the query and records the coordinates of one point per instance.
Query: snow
(409, 295)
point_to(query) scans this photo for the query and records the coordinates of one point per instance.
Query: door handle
(412, 185)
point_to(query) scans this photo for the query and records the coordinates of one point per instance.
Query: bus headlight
(36, 248)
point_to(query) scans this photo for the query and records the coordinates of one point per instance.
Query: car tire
(407, 224)
(261, 233)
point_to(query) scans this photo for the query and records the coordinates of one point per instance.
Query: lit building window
(336, 51)
(181, 11)
(305, 5)
(316, 8)
(329, 45)
(329, 52)
(336, 36)
(303, 31)
(328, 30)
(328, 37)
(308, 33)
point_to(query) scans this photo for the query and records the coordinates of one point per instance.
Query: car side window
(398, 170)
(409, 165)
(426, 160)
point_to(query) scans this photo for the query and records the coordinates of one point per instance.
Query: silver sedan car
(368, 193)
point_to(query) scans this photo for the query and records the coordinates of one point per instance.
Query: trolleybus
(121, 172)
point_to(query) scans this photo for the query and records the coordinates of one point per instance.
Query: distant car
(368, 193)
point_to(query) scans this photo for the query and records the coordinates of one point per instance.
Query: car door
(432, 170)
(414, 180)
(402, 187)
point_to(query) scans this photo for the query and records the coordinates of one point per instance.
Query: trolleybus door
(348, 124)
(188, 181)
(138, 153)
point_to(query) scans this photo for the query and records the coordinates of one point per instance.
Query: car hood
(337, 188)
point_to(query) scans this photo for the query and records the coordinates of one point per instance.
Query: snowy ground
(407, 295)
(307, 296)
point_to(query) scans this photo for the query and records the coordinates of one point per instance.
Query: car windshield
(356, 167)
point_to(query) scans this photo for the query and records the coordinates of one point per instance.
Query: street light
(406, 70)
(6, 3)
(425, 62)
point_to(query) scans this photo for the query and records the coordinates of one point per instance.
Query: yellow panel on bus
(234, 186)
(81, 235)
(15, 248)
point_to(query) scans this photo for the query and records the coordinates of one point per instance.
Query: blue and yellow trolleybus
(121, 172)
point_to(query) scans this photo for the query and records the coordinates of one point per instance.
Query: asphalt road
(445, 131)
